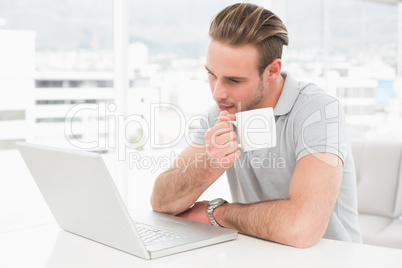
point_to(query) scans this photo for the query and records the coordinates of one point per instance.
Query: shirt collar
(289, 94)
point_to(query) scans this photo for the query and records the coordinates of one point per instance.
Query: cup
(256, 129)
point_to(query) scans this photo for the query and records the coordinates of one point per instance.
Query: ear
(273, 70)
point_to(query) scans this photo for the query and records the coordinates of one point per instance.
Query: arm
(198, 167)
(302, 219)
(176, 189)
(299, 221)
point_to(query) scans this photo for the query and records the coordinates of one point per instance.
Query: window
(343, 47)
(12, 115)
(57, 55)
(54, 55)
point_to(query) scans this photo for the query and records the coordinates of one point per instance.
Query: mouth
(224, 107)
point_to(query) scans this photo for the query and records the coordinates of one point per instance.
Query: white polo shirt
(308, 121)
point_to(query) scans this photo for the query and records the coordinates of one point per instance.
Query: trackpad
(166, 223)
(157, 219)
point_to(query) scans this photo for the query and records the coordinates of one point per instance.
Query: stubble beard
(252, 103)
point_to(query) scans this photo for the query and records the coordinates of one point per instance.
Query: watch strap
(210, 209)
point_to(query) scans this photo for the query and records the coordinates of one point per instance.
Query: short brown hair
(248, 24)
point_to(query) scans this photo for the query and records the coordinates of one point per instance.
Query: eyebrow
(239, 78)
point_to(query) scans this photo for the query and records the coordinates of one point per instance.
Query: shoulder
(300, 98)
(314, 101)
(311, 96)
(318, 123)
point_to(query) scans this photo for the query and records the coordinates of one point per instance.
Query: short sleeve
(320, 127)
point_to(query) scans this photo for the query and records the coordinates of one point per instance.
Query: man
(309, 193)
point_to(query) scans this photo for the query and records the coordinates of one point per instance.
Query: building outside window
(58, 55)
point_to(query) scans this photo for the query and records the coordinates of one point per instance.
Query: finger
(225, 116)
(221, 151)
(232, 117)
(224, 138)
(234, 156)
(222, 118)
(220, 138)
(224, 112)
(229, 160)
(221, 128)
(218, 130)
(231, 147)
(207, 134)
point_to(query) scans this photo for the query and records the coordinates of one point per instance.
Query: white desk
(48, 246)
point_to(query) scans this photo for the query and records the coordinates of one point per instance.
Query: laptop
(84, 201)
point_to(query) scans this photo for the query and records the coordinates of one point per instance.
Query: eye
(234, 81)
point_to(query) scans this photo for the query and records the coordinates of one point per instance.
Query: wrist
(212, 206)
(204, 175)
(213, 165)
(218, 214)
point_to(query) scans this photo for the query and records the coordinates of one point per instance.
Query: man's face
(234, 78)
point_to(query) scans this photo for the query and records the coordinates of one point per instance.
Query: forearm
(177, 189)
(302, 219)
(280, 221)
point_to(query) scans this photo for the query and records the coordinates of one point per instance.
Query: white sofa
(379, 191)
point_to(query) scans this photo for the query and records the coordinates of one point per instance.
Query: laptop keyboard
(151, 235)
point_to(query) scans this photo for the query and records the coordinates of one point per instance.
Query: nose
(219, 90)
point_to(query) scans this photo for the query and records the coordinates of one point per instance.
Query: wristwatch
(213, 204)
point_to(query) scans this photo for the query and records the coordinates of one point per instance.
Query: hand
(222, 147)
(198, 212)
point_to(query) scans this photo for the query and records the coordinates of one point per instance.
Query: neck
(273, 92)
